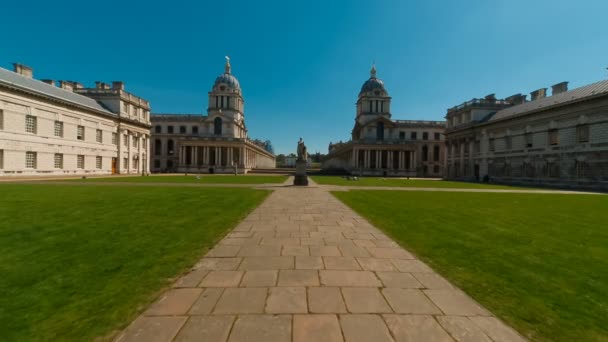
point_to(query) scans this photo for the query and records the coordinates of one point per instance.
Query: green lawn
(538, 261)
(79, 262)
(202, 179)
(400, 182)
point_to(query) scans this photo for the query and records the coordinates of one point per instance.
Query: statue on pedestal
(301, 178)
(302, 153)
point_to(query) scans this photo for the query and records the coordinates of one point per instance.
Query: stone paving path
(304, 267)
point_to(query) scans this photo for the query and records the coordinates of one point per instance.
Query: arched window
(436, 153)
(217, 126)
(170, 147)
(380, 131)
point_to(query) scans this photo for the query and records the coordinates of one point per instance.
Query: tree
(268, 146)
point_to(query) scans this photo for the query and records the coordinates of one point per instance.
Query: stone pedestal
(301, 178)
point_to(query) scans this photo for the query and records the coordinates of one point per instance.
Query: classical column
(195, 155)
(353, 161)
(412, 160)
(462, 145)
(241, 161)
(378, 159)
(367, 159)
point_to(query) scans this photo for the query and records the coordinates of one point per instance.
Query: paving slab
(222, 279)
(364, 328)
(317, 328)
(399, 280)
(463, 329)
(364, 300)
(411, 328)
(241, 301)
(254, 328)
(174, 302)
(349, 278)
(309, 263)
(286, 300)
(455, 302)
(409, 301)
(152, 329)
(325, 300)
(341, 263)
(263, 278)
(206, 301)
(205, 328)
(298, 278)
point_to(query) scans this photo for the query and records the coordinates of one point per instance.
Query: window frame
(553, 136)
(58, 129)
(99, 136)
(79, 130)
(58, 161)
(31, 160)
(80, 162)
(582, 133)
(31, 126)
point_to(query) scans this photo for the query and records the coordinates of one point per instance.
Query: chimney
(559, 88)
(491, 97)
(23, 70)
(49, 82)
(67, 85)
(118, 85)
(77, 85)
(538, 94)
(516, 99)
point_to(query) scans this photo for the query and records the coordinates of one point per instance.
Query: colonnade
(194, 156)
(383, 159)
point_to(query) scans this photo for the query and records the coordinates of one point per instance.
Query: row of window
(131, 109)
(220, 103)
(582, 136)
(182, 129)
(376, 106)
(31, 161)
(217, 128)
(31, 126)
(414, 136)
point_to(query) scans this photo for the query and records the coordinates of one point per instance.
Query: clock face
(222, 88)
(377, 92)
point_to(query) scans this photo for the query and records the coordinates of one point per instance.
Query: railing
(479, 103)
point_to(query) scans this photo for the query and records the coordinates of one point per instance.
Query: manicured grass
(202, 179)
(79, 262)
(538, 261)
(400, 182)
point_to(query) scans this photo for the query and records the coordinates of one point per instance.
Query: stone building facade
(66, 129)
(215, 143)
(559, 140)
(381, 146)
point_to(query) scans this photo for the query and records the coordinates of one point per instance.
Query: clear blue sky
(301, 63)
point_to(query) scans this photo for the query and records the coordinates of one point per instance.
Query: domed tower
(373, 99)
(226, 105)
